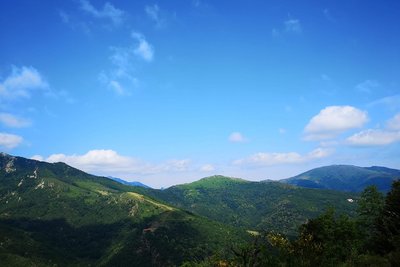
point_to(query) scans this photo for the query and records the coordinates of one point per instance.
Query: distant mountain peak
(134, 183)
(346, 178)
(214, 182)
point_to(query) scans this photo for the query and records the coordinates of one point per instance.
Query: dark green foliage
(346, 178)
(335, 237)
(268, 206)
(369, 209)
(388, 224)
(331, 239)
(53, 214)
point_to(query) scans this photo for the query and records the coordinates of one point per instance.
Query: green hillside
(55, 215)
(346, 178)
(254, 205)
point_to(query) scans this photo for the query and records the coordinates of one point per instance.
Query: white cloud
(378, 137)
(394, 123)
(282, 130)
(109, 162)
(268, 159)
(108, 12)
(367, 86)
(293, 25)
(143, 49)
(37, 157)
(207, 168)
(13, 121)
(237, 137)
(21, 82)
(374, 137)
(333, 120)
(10, 140)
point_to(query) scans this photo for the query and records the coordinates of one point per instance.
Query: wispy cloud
(21, 82)
(290, 26)
(207, 168)
(196, 3)
(143, 48)
(117, 87)
(293, 26)
(333, 120)
(121, 77)
(392, 102)
(73, 22)
(237, 137)
(394, 123)
(367, 86)
(10, 141)
(154, 13)
(269, 159)
(13, 121)
(64, 17)
(108, 12)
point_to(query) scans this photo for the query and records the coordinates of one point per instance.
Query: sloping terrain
(346, 178)
(270, 206)
(134, 183)
(53, 214)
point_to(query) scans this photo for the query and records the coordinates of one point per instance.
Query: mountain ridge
(53, 214)
(133, 183)
(345, 178)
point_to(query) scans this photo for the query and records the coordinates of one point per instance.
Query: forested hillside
(254, 205)
(53, 214)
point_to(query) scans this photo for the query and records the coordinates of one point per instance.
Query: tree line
(372, 238)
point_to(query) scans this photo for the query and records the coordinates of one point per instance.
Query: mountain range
(53, 214)
(134, 183)
(271, 206)
(346, 178)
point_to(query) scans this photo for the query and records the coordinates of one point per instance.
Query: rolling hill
(56, 215)
(270, 206)
(53, 214)
(346, 178)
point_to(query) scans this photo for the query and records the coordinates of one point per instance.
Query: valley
(51, 213)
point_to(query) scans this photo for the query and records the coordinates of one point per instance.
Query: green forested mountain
(346, 178)
(55, 215)
(254, 205)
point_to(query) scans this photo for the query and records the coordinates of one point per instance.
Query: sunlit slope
(55, 214)
(254, 205)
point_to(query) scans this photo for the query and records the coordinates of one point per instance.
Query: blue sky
(167, 92)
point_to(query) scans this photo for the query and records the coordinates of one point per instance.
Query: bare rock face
(10, 166)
